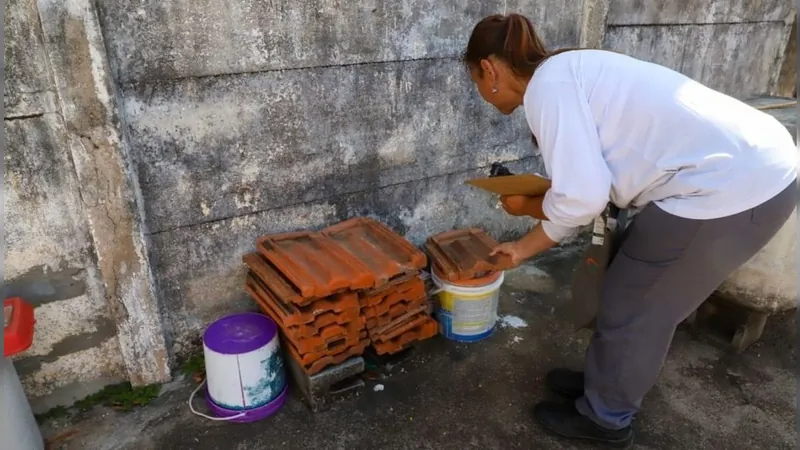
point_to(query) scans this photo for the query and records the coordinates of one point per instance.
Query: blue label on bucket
(445, 320)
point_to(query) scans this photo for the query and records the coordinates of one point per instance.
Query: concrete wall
(733, 46)
(152, 40)
(71, 248)
(301, 126)
(49, 261)
(787, 80)
(49, 256)
(151, 142)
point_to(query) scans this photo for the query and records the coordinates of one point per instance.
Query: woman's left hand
(533, 243)
(516, 251)
(515, 205)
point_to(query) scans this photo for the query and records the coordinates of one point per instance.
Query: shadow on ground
(480, 395)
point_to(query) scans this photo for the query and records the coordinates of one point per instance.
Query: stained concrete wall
(188, 129)
(787, 79)
(49, 261)
(27, 89)
(153, 40)
(247, 119)
(70, 246)
(49, 256)
(733, 46)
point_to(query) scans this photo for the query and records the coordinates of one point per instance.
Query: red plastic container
(18, 324)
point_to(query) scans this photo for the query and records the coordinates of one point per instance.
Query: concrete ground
(450, 395)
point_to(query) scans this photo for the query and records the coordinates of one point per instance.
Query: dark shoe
(564, 420)
(568, 383)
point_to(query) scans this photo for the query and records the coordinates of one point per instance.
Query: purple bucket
(245, 372)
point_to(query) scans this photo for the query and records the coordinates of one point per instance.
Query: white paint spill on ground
(512, 321)
(378, 388)
(530, 278)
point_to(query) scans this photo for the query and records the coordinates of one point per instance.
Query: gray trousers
(666, 266)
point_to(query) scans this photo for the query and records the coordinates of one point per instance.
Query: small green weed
(195, 367)
(120, 396)
(54, 413)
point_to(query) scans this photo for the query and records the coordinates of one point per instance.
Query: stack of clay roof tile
(461, 255)
(335, 292)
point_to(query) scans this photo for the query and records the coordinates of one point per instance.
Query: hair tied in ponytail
(511, 38)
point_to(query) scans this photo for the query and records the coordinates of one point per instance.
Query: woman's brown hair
(511, 38)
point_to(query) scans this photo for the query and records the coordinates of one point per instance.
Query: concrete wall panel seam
(337, 197)
(748, 72)
(134, 85)
(205, 280)
(223, 147)
(698, 12)
(166, 39)
(692, 24)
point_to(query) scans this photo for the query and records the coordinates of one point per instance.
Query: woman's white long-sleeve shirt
(614, 128)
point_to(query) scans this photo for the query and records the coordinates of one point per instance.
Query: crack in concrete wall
(177, 80)
(23, 116)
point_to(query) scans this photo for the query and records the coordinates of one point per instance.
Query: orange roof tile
(399, 338)
(305, 321)
(376, 246)
(278, 284)
(464, 254)
(314, 363)
(315, 263)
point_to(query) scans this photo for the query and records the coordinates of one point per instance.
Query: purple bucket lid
(240, 333)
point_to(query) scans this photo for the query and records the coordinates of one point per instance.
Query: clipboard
(522, 184)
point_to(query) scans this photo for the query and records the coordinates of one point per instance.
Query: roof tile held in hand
(464, 254)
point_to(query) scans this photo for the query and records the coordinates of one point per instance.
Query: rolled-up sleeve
(558, 114)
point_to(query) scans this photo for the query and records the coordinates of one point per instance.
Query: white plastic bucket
(245, 376)
(468, 313)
